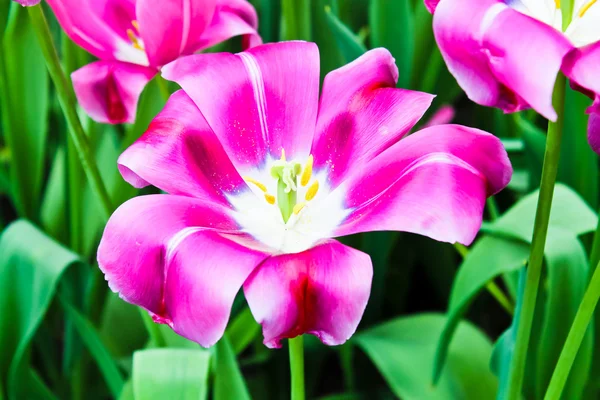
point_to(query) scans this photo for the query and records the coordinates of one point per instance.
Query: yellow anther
(282, 154)
(134, 40)
(257, 183)
(312, 191)
(136, 25)
(586, 7)
(270, 198)
(298, 207)
(557, 3)
(307, 172)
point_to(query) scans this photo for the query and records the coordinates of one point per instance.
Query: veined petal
(138, 237)
(232, 18)
(108, 91)
(362, 113)
(167, 29)
(28, 3)
(97, 26)
(204, 272)
(257, 102)
(322, 291)
(180, 154)
(434, 183)
(525, 55)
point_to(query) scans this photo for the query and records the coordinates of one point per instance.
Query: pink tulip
(134, 38)
(261, 175)
(507, 53)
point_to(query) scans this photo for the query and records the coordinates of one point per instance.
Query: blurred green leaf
(391, 24)
(31, 265)
(493, 256)
(228, 382)
(90, 337)
(242, 330)
(52, 215)
(424, 42)
(350, 46)
(330, 56)
(504, 346)
(170, 374)
(269, 16)
(568, 269)
(296, 20)
(25, 100)
(403, 351)
(578, 163)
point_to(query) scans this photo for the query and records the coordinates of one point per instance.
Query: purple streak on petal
(362, 113)
(433, 183)
(180, 154)
(322, 291)
(28, 3)
(594, 131)
(108, 91)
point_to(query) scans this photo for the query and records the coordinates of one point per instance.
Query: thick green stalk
(595, 253)
(296, 20)
(67, 100)
(153, 329)
(575, 337)
(540, 231)
(297, 367)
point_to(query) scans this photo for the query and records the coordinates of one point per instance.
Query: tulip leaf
(170, 374)
(403, 351)
(31, 265)
(391, 26)
(242, 330)
(53, 219)
(228, 382)
(349, 44)
(508, 251)
(501, 360)
(25, 100)
(90, 337)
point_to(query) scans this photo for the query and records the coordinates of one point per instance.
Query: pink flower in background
(28, 3)
(134, 38)
(507, 53)
(261, 175)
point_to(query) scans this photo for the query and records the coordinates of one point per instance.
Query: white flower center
(289, 208)
(132, 51)
(584, 26)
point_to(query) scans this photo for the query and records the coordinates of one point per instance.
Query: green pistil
(286, 174)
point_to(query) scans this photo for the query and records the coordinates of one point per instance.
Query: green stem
(595, 253)
(296, 19)
(153, 329)
(67, 100)
(492, 208)
(433, 71)
(575, 337)
(297, 367)
(540, 230)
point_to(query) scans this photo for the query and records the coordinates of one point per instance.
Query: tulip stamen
(134, 40)
(586, 7)
(557, 3)
(255, 182)
(312, 191)
(298, 207)
(307, 172)
(136, 25)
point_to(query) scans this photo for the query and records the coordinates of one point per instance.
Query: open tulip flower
(134, 38)
(507, 53)
(261, 175)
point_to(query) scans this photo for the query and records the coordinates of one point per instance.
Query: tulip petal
(108, 91)
(499, 56)
(431, 5)
(99, 26)
(362, 113)
(28, 3)
(434, 183)
(594, 131)
(257, 102)
(232, 18)
(322, 291)
(201, 285)
(167, 29)
(180, 154)
(137, 237)
(526, 55)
